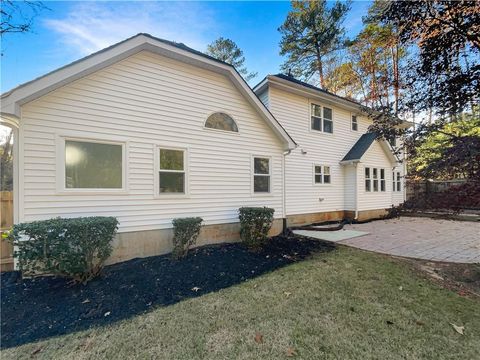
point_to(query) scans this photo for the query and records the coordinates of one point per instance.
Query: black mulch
(34, 309)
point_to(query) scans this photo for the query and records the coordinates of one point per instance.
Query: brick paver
(423, 238)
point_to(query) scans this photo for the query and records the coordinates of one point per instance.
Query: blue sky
(71, 30)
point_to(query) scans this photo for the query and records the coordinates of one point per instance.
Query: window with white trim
(375, 179)
(94, 165)
(321, 118)
(368, 180)
(397, 184)
(172, 171)
(354, 123)
(321, 174)
(221, 121)
(261, 175)
(382, 179)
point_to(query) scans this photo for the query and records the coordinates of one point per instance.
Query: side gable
(15, 98)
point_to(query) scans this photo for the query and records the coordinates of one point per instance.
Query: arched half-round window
(221, 121)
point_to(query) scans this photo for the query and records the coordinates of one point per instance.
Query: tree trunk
(320, 67)
(396, 76)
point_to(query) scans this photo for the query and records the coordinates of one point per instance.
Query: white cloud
(91, 26)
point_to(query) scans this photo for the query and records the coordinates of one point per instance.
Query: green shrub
(255, 223)
(185, 234)
(75, 248)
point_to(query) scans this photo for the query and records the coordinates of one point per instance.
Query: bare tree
(18, 16)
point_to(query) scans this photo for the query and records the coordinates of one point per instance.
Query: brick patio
(423, 238)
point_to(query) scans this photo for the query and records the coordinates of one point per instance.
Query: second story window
(321, 118)
(354, 123)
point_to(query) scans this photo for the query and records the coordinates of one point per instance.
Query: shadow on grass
(35, 309)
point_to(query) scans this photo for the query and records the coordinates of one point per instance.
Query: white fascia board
(388, 151)
(13, 99)
(311, 93)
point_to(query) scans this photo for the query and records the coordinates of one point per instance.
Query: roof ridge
(178, 45)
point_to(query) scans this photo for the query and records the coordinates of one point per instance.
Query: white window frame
(375, 179)
(369, 178)
(383, 180)
(353, 122)
(61, 140)
(220, 130)
(397, 183)
(156, 175)
(322, 166)
(322, 130)
(252, 183)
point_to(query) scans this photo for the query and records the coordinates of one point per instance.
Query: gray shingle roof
(360, 147)
(299, 82)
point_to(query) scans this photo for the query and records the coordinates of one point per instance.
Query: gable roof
(316, 88)
(12, 100)
(359, 149)
(305, 89)
(291, 84)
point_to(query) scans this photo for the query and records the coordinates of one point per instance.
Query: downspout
(404, 187)
(393, 183)
(356, 191)
(284, 192)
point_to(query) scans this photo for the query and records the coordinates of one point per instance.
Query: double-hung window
(354, 123)
(321, 118)
(368, 180)
(321, 174)
(172, 171)
(261, 175)
(94, 165)
(382, 179)
(397, 184)
(375, 179)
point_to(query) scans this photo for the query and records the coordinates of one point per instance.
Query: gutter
(356, 190)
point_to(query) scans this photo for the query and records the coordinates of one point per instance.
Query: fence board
(6, 222)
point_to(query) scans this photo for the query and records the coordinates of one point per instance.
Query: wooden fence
(416, 189)
(6, 222)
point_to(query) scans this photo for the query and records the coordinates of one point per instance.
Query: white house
(148, 130)
(338, 170)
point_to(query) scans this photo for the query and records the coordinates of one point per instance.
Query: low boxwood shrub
(74, 248)
(185, 234)
(255, 223)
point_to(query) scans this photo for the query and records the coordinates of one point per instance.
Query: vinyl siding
(264, 98)
(302, 195)
(350, 174)
(375, 157)
(147, 100)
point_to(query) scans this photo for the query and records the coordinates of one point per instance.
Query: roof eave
(349, 162)
(13, 99)
(312, 93)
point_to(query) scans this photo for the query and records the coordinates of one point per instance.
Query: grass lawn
(346, 304)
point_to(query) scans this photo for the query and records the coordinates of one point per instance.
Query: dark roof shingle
(360, 147)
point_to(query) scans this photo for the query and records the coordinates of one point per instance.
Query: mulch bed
(464, 279)
(34, 309)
